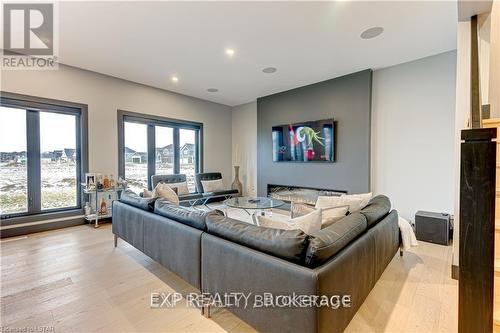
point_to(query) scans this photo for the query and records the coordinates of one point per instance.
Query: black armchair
(212, 196)
(191, 198)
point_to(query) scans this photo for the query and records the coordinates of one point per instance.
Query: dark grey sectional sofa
(218, 255)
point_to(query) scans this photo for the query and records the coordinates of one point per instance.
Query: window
(164, 142)
(150, 145)
(59, 171)
(40, 149)
(13, 166)
(187, 143)
(136, 155)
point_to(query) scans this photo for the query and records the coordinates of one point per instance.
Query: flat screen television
(308, 141)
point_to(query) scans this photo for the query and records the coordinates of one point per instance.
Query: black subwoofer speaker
(433, 227)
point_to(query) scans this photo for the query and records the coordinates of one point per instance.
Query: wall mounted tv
(308, 141)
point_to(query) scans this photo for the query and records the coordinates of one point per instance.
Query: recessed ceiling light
(230, 52)
(175, 79)
(212, 90)
(269, 70)
(371, 33)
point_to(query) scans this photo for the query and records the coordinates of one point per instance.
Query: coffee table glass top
(253, 203)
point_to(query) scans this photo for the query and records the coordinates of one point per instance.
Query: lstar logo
(28, 29)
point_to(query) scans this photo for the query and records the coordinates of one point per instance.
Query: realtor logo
(28, 29)
(30, 36)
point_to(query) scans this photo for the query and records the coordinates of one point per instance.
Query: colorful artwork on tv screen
(309, 141)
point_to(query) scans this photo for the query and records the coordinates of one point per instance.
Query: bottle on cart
(103, 209)
(87, 209)
(110, 204)
(105, 181)
(111, 181)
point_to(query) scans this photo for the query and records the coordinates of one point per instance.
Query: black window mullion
(151, 154)
(197, 152)
(33, 161)
(177, 151)
(80, 176)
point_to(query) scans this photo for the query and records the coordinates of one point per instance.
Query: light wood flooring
(74, 280)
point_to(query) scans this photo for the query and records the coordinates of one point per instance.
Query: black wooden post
(477, 230)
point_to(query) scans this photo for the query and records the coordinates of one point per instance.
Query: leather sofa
(218, 255)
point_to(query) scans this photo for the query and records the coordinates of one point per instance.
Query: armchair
(215, 195)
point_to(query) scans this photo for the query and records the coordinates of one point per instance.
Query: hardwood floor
(74, 280)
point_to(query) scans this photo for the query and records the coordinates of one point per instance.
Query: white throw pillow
(333, 201)
(165, 191)
(268, 222)
(308, 223)
(182, 187)
(365, 198)
(331, 215)
(300, 209)
(212, 185)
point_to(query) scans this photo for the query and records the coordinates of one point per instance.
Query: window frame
(33, 105)
(151, 121)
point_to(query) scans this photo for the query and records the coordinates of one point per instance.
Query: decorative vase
(237, 185)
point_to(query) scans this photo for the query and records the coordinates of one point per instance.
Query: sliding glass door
(58, 160)
(136, 155)
(13, 162)
(152, 145)
(40, 148)
(188, 160)
(164, 150)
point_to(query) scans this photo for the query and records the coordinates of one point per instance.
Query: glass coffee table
(257, 204)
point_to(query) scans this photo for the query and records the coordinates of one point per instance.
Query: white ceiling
(308, 42)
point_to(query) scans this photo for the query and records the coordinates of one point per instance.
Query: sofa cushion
(354, 203)
(328, 241)
(215, 185)
(365, 198)
(308, 223)
(286, 244)
(205, 176)
(166, 192)
(376, 210)
(131, 198)
(192, 218)
(181, 188)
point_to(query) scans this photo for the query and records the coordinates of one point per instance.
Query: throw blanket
(407, 234)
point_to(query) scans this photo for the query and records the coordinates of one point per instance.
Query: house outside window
(150, 145)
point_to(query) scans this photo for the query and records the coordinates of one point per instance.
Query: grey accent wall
(348, 100)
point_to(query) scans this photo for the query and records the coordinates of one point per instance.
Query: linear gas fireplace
(289, 193)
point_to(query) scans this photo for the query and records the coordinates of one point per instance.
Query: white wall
(462, 119)
(413, 121)
(494, 62)
(104, 95)
(244, 129)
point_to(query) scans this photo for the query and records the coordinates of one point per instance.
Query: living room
(194, 166)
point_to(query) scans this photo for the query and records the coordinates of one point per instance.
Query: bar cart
(96, 196)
